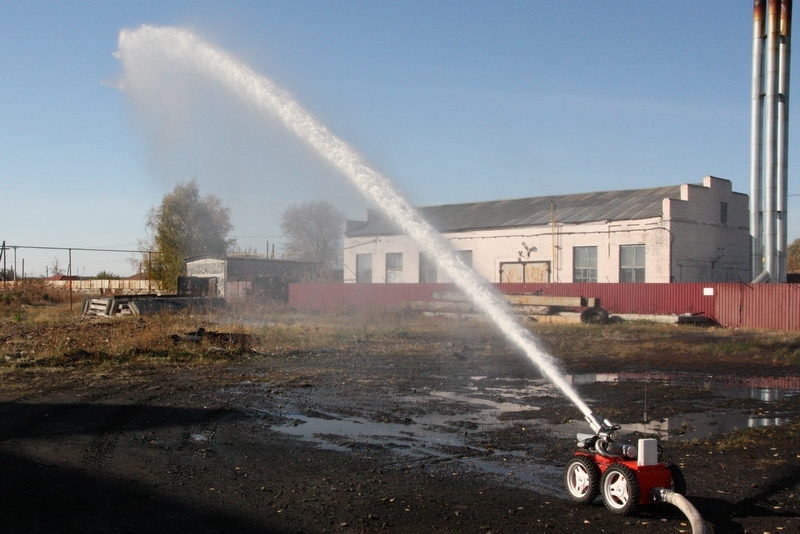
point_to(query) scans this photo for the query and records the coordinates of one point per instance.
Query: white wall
(709, 250)
(690, 232)
(491, 248)
(209, 268)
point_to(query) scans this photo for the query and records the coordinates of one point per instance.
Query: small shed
(244, 276)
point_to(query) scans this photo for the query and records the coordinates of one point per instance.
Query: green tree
(184, 226)
(107, 275)
(793, 257)
(314, 233)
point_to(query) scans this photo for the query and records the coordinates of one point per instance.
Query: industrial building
(683, 233)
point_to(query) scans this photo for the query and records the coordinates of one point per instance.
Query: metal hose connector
(601, 449)
(625, 452)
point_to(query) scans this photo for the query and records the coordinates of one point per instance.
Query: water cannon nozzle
(601, 427)
(595, 423)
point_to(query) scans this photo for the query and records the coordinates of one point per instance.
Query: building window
(466, 257)
(584, 264)
(394, 267)
(364, 268)
(723, 212)
(631, 263)
(427, 269)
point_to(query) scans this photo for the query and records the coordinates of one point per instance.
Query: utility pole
(3, 254)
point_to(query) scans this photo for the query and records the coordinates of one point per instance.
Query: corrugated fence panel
(238, 289)
(729, 304)
(772, 306)
(769, 306)
(665, 299)
(332, 296)
(122, 287)
(655, 299)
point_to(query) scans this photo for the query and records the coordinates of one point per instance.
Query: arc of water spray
(183, 48)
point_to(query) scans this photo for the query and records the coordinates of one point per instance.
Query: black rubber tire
(594, 315)
(620, 489)
(582, 479)
(678, 480)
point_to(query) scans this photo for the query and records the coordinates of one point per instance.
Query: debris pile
(146, 305)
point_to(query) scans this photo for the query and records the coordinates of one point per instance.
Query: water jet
(621, 488)
(181, 47)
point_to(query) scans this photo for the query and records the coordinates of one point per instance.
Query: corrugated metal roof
(536, 211)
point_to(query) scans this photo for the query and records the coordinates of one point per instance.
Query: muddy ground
(449, 430)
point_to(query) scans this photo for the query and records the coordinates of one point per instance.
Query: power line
(82, 249)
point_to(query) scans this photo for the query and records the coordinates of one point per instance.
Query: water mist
(180, 48)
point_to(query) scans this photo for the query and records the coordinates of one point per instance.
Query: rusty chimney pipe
(770, 139)
(757, 140)
(782, 140)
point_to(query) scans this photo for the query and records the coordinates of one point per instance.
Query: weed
(54, 335)
(750, 437)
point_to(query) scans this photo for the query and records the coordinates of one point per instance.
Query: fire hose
(682, 503)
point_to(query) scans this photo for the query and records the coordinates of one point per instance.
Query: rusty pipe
(757, 139)
(782, 140)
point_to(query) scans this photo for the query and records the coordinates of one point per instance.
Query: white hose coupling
(682, 503)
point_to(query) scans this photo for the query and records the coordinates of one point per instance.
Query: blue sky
(454, 101)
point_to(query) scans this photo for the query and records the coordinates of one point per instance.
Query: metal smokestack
(769, 134)
(770, 139)
(784, 56)
(756, 138)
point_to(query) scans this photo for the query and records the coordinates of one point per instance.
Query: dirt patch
(345, 424)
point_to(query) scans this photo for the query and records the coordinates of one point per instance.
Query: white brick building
(686, 233)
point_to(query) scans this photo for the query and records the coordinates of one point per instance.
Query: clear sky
(453, 101)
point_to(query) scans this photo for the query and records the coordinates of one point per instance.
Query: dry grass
(54, 335)
(630, 341)
(49, 334)
(777, 436)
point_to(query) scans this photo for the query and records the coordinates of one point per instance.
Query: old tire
(620, 489)
(678, 480)
(594, 315)
(582, 478)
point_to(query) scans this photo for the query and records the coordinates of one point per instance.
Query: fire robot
(626, 476)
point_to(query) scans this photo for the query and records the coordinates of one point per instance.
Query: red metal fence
(328, 297)
(650, 299)
(770, 306)
(767, 306)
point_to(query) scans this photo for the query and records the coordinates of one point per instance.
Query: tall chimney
(769, 136)
(784, 57)
(770, 140)
(756, 139)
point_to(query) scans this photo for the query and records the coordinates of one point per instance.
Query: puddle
(445, 431)
(767, 389)
(431, 442)
(704, 424)
(412, 440)
(453, 430)
(685, 426)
